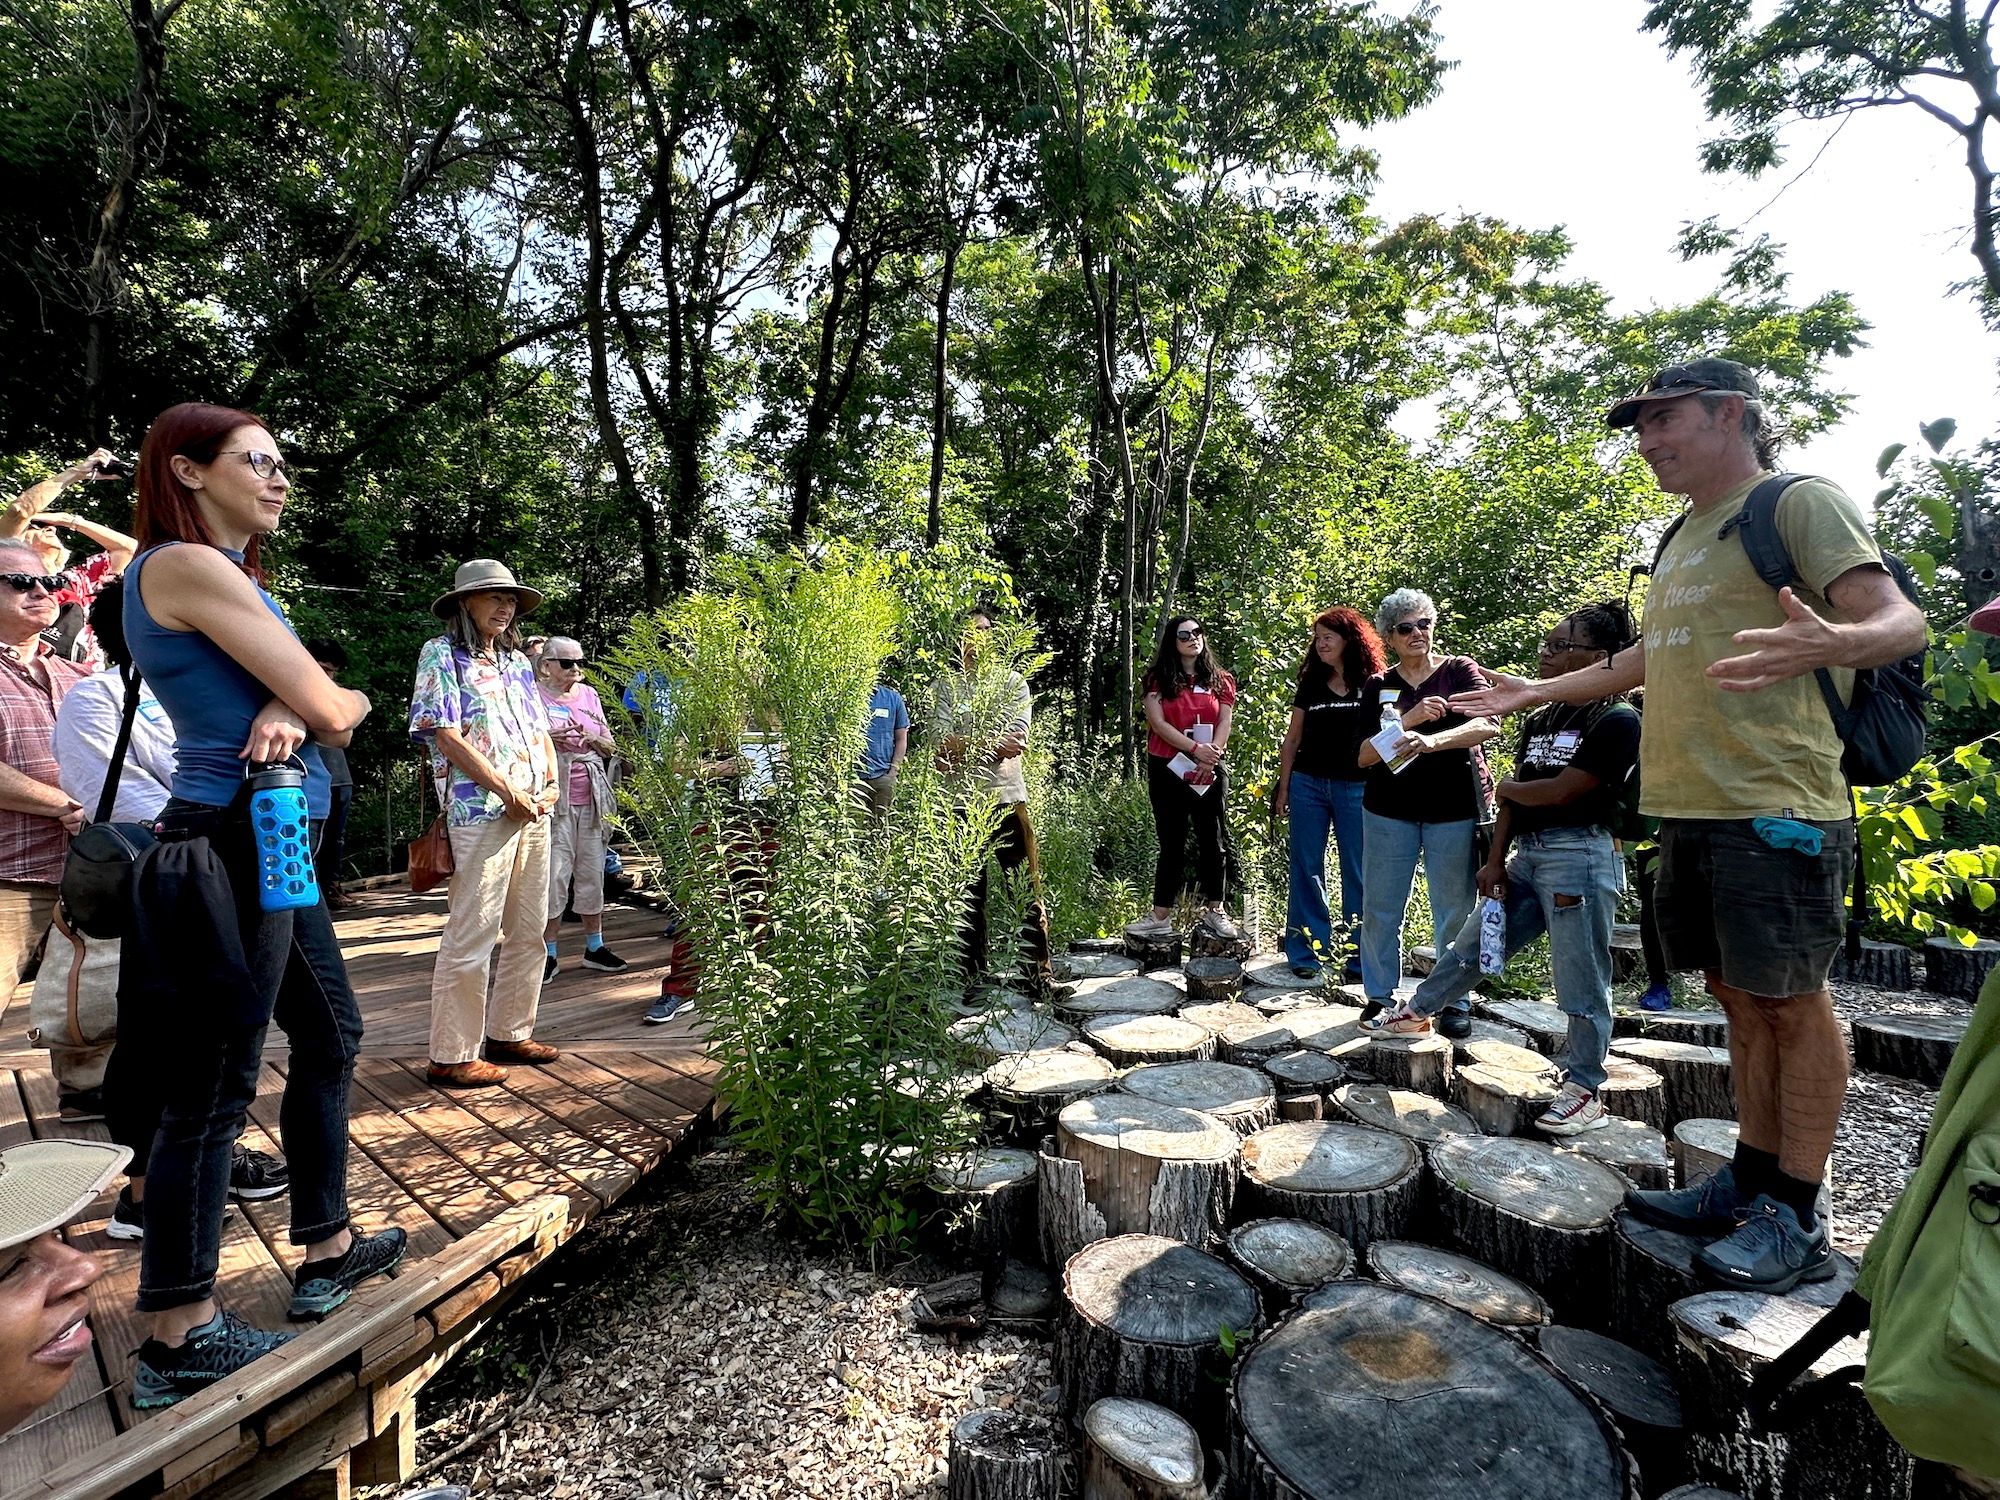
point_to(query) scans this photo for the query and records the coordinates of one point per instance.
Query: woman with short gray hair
(1428, 801)
(576, 850)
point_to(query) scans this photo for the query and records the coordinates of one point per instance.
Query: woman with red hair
(1320, 781)
(206, 967)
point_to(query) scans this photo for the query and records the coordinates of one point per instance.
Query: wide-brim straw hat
(45, 1184)
(483, 575)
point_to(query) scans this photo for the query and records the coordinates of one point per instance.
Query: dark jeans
(1013, 846)
(331, 856)
(1177, 810)
(177, 1085)
(1646, 863)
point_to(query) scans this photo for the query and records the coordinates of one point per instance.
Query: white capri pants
(576, 849)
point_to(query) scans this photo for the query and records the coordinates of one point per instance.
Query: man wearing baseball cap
(1740, 761)
(43, 1185)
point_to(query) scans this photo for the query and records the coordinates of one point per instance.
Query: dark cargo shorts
(1768, 921)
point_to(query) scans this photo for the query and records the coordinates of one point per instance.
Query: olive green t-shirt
(1707, 753)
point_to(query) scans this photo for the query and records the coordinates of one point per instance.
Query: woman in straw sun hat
(477, 711)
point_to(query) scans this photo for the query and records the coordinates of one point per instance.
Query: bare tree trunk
(1187, 485)
(934, 515)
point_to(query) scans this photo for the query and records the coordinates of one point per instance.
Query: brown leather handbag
(430, 851)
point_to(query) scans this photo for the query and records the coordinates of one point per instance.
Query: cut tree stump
(1636, 1389)
(1242, 1098)
(1136, 995)
(1918, 1047)
(988, 1198)
(1150, 1168)
(1135, 1450)
(1096, 966)
(1211, 979)
(1275, 973)
(1022, 1300)
(1633, 1091)
(1219, 1015)
(1204, 942)
(1632, 1149)
(1486, 1053)
(1628, 951)
(1005, 1455)
(1250, 1044)
(1286, 1258)
(1884, 966)
(1700, 1492)
(1952, 969)
(1531, 1211)
(1500, 1100)
(1696, 1078)
(1144, 1316)
(1484, 1030)
(1653, 1268)
(1704, 1028)
(1153, 952)
(1835, 1449)
(1098, 945)
(1323, 1407)
(1324, 1028)
(1700, 1147)
(1302, 1108)
(1302, 1071)
(1546, 1025)
(1011, 1032)
(1027, 1091)
(1362, 1184)
(1130, 1040)
(1421, 1064)
(1416, 1117)
(1066, 1219)
(1469, 1285)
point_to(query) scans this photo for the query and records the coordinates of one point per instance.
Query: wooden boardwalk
(487, 1183)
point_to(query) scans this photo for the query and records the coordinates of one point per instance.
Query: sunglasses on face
(573, 663)
(1411, 627)
(1188, 635)
(263, 465)
(51, 583)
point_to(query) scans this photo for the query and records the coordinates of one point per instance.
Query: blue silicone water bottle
(278, 822)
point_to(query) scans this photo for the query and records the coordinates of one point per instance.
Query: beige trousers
(74, 1008)
(576, 848)
(25, 909)
(499, 894)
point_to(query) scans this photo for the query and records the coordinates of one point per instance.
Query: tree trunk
(1633, 1150)
(1251, 1044)
(1484, 1030)
(1362, 1184)
(1213, 978)
(1006, 1455)
(1205, 943)
(1009, 1033)
(1302, 1108)
(1633, 1091)
(1153, 950)
(1470, 1286)
(1133, 996)
(1030, 1089)
(1150, 1168)
(1952, 969)
(1286, 1258)
(1700, 1147)
(1883, 966)
(1097, 966)
(1219, 1015)
(1242, 1098)
(1065, 1217)
(1303, 1071)
(1697, 1079)
(1547, 1027)
(1134, 1450)
(1918, 1047)
(1635, 1388)
(1501, 1101)
(940, 384)
(1532, 1212)
(1418, 1118)
(1420, 1064)
(1275, 973)
(987, 1198)
(1702, 1028)
(1507, 1056)
(1128, 1041)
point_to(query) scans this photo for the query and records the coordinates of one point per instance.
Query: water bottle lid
(275, 775)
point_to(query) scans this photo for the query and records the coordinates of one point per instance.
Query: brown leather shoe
(528, 1051)
(465, 1075)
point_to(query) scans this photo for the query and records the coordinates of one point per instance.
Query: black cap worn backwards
(1690, 379)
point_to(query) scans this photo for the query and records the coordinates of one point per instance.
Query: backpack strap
(1673, 530)
(1770, 1385)
(108, 798)
(1758, 524)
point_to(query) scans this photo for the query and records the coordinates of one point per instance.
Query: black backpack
(1882, 728)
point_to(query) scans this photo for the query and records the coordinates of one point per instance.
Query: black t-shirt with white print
(1600, 738)
(1332, 730)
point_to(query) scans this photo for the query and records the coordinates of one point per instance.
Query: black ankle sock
(1754, 1170)
(1797, 1194)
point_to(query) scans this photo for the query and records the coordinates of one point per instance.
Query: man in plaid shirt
(36, 816)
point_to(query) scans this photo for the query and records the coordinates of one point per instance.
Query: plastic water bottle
(1492, 936)
(1393, 719)
(278, 822)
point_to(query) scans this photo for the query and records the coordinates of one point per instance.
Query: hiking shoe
(218, 1348)
(666, 1008)
(1769, 1252)
(527, 1051)
(80, 1106)
(1456, 1024)
(1151, 927)
(1397, 1020)
(549, 968)
(1711, 1206)
(1575, 1110)
(603, 958)
(255, 1175)
(1657, 997)
(472, 1074)
(1218, 923)
(128, 1219)
(324, 1284)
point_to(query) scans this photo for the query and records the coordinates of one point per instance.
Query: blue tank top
(209, 697)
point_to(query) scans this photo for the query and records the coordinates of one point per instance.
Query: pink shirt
(579, 712)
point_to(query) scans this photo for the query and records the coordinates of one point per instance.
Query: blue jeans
(1319, 806)
(1565, 882)
(1389, 850)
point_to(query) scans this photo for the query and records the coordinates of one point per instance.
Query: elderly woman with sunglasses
(576, 849)
(1428, 801)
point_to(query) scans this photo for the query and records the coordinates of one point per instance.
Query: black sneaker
(256, 1175)
(80, 1106)
(1456, 1024)
(548, 968)
(1769, 1252)
(324, 1284)
(666, 1008)
(128, 1219)
(1711, 1206)
(603, 958)
(218, 1348)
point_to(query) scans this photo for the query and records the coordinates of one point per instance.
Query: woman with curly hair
(1320, 780)
(1190, 702)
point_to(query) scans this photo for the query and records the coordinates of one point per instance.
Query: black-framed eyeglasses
(52, 583)
(1411, 627)
(1565, 643)
(263, 465)
(574, 663)
(1188, 635)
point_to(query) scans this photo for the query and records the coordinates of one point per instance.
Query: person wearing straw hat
(43, 1185)
(477, 711)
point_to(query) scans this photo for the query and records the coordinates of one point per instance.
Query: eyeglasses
(1188, 635)
(1562, 644)
(263, 465)
(574, 663)
(1411, 627)
(52, 583)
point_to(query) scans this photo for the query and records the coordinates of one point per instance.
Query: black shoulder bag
(96, 890)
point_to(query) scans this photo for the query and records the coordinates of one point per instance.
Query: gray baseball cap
(1690, 379)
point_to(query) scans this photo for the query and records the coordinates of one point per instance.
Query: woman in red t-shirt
(1190, 701)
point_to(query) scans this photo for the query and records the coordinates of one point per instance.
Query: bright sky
(1563, 112)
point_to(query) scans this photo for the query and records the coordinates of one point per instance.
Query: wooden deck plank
(659, 1075)
(636, 1139)
(633, 1099)
(14, 1127)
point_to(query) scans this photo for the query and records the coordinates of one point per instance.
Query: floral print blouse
(493, 701)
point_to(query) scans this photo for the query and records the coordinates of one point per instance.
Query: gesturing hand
(1506, 694)
(1803, 643)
